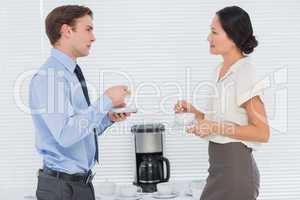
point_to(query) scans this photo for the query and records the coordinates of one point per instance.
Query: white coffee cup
(196, 188)
(106, 188)
(184, 119)
(128, 190)
(164, 188)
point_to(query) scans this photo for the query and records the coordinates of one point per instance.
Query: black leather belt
(82, 178)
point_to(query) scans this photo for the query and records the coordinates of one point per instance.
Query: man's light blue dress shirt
(63, 121)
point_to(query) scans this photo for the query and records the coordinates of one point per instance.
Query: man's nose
(93, 39)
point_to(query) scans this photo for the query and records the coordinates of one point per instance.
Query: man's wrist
(107, 120)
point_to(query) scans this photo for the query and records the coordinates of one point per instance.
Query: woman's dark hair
(237, 24)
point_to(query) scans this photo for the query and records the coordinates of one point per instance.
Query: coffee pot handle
(168, 169)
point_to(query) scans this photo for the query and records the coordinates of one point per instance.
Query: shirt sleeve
(105, 122)
(52, 103)
(247, 86)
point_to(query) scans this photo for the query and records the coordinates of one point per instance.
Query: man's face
(82, 36)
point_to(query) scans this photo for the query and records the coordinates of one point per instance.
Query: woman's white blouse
(227, 95)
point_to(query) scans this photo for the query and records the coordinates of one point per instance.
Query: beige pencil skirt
(233, 174)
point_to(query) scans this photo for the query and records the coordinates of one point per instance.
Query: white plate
(164, 196)
(124, 110)
(188, 193)
(136, 197)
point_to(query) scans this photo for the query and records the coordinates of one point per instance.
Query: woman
(236, 122)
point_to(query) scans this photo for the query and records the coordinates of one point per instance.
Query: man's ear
(65, 30)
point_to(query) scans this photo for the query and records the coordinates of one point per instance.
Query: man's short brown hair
(63, 15)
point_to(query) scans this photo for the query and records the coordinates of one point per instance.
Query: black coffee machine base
(147, 188)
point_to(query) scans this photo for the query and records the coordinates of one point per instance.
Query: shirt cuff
(105, 123)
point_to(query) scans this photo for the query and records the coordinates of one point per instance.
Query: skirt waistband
(229, 153)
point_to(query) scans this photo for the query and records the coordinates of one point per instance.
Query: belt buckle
(89, 178)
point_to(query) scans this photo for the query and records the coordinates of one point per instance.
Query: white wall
(157, 44)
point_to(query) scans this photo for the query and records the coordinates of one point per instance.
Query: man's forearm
(105, 123)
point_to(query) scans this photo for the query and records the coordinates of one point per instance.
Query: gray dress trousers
(51, 188)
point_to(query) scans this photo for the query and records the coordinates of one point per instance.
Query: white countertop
(29, 194)
(146, 197)
(18, 195)
(180, 189)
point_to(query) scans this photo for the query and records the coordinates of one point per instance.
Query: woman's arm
(199, 115)
(258, 128)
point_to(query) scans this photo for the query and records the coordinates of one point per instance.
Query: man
(66, 122)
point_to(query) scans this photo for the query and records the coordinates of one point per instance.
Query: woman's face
(219, 42)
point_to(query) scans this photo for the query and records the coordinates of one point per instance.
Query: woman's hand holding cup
(184, 106)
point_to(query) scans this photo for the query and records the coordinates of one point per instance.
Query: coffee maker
(151, 167)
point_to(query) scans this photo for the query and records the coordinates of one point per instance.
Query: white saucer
(188, 193)
(136, 197)
(164, 196)
(124, 110)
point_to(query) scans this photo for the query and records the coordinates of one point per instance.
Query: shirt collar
(64, 59)
(233, 68)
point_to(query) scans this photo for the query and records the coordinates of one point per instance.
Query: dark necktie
(81, 79)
